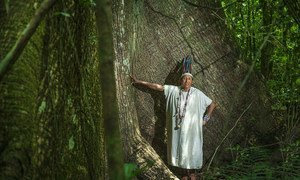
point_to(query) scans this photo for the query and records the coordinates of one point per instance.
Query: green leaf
(35, 5)
(63, 14)
(42, 107)
(74, 119)
(71, 143)
(82, 169)
(6, 5)
(298, 82)
(130, 170)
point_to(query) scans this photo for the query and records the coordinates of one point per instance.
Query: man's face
(186, 82)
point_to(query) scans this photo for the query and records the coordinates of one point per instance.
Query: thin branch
(212, 8)
(216, 150)
(212, 63)
(257, 55)
(199, 6)
(180, 30)
(293, 9)
(110, 115)
(12, 56)
(217, 60)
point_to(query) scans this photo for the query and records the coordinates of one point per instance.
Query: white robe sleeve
(168, 90)
(206, 100)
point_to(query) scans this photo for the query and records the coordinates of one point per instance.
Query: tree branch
(212, 8)
(199, 6)
(293, 9)
(12, 56)
(216, 150)
(180, 30)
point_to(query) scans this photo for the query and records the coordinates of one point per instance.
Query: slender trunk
(108, 89)
(267, 51)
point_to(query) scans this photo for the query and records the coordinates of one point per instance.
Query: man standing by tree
(185, 108)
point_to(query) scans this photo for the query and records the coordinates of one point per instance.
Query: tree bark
(150, 39)
(108, 90)
(15, 52)
(18, 91)
(50, 102)
(70, 122)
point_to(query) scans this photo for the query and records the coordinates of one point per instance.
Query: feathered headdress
(187, 66)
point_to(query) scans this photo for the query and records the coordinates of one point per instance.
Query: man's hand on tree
(153, 86)
(133, 80)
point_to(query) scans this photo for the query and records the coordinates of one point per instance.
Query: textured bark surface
(18, 90)
(50, 102)
(24, 37)
(110, 113)
(151, 38)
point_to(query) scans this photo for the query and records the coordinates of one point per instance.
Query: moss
(52, 103)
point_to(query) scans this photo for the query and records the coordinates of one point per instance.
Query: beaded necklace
(179, 116)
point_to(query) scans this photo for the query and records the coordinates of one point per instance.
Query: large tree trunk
(150, 38)
(50, 102)
(18, 92)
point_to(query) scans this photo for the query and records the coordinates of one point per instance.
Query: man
(185, 108)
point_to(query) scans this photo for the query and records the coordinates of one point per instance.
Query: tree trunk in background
(150, 38)
(18, 92)
(268, 49)
(50, 102)
(293, 9)
(108, 90)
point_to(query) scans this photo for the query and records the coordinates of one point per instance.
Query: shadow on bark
(159, 142)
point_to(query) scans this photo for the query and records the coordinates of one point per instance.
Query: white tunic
(185, 144)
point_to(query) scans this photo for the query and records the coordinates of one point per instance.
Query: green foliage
(62, 14)
(290, 166)
(250, 23)
(132, 170)
(42, 107)
(260, 163)
(88, 3)
(71, 143)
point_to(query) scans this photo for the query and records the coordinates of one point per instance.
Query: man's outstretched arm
(154, 86)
